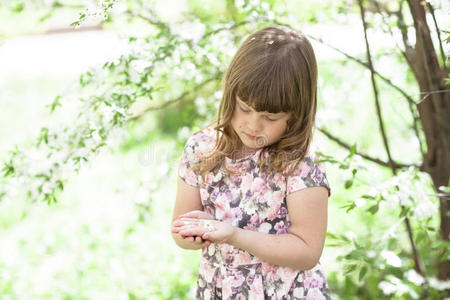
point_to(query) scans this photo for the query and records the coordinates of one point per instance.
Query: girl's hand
(215, 231)
(198, 214)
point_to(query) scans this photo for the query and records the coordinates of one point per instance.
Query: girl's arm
(300, 248)
(188, 199)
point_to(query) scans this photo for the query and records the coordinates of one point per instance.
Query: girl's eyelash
(243, 109)
(267, 118)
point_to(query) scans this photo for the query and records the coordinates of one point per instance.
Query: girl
(249, 193)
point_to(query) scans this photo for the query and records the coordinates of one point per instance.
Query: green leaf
(54, 104)
(349, 206)
(352, 150)
(350, 268)
(8, 168)
(348, 183)
(373, 209)
(420, 237)
(362, 272)
(18, 7)
(43, 137)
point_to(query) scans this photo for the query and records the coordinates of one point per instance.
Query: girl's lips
(252, 137)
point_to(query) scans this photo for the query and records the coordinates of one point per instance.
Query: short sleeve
(308, 173)
(187, 161)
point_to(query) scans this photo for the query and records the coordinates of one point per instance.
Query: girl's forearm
(185, 244)
(286, 250)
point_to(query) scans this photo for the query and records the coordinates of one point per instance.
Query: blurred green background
(108, 235)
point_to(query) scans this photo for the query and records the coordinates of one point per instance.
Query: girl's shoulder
(206, 135)
(201, 142)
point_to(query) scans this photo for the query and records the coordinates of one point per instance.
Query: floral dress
(252, 201)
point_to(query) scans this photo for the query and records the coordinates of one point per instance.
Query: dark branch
(374, 85)
(417, 263)
(363, 155)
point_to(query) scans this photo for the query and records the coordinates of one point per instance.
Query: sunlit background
(108, 236)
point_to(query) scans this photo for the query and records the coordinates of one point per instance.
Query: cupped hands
(198, 224)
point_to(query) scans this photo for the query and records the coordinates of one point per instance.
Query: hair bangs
(269, 86)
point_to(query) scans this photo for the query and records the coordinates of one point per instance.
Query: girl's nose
(254, 125)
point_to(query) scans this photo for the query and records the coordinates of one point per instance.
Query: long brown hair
(274, 70)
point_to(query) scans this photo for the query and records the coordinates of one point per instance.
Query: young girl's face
(258, 129)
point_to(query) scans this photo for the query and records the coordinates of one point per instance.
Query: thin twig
(385, 79)
(363, 155)
(417, 263)
(438, 31)
(412, 108)
(178, 99)
(374, 85)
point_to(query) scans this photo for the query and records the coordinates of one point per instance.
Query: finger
(192, 214)
(193, 231)
(199, 240)
(208, 236)
(208, 242)
(185, 223)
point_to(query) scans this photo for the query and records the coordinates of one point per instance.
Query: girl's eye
(244, 110)
(270, 119)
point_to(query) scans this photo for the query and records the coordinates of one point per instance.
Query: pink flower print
(261, 191)
(305, 169)
(296, 183)
(274, 204)
(313, 282)
(278, 179)
(226, 289)
(246, 182)
(209, 178)
(238, 280)
(243, 258)
(282, 212)
(315, 294)
(208, 272)
(209, 210)
(318, 175)
(280, 227)
(256, 289)
(270, 272)
(236, 213)
(250, 227)
(222, 202)
(255, 219)
(240, 297)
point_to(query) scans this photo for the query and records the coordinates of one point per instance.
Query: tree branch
(151, 20)
(411, 107)
(417, 263)
(363, 155)
(438, 31)
(178, 99)
(374, 84)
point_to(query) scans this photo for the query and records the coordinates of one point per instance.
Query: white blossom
(391, 258)
(387, 288)
(415, 277)
(439, 285)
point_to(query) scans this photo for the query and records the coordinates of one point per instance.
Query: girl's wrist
(234, 236)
